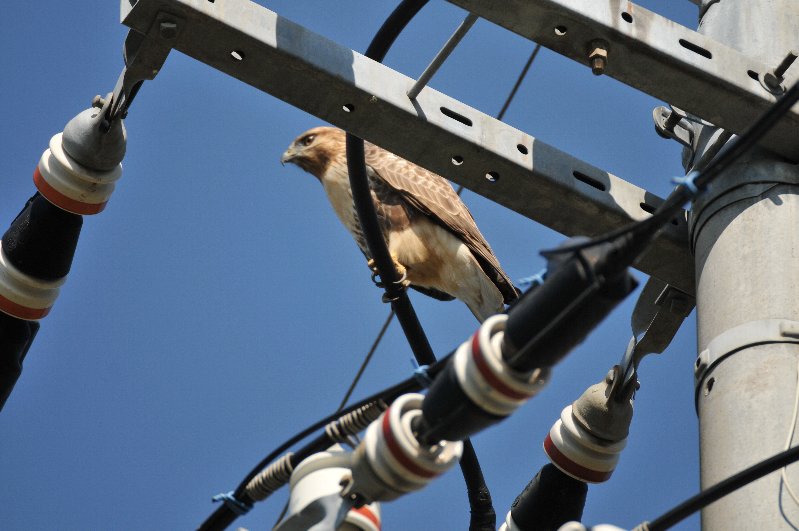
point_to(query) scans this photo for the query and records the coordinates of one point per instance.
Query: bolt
(785, 64)
(773, 79)
(98, 102)
(168, 30)
(598, 56)
(672, 120)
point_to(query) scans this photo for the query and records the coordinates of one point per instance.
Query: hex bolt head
(168, 30)
(598, 56)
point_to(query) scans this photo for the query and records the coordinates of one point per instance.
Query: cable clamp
(534, 280)
(232, 503)
(421, 375)
(689, 182)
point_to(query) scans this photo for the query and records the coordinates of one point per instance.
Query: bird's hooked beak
(289, 155)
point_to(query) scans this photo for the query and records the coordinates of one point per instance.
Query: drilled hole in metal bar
(492, 176)
(457, 160)
(237, 55)
(349, 107)
(560, 31)
(648, 208)
(590, 181)
(627, 17)
(455, 116)
(754, 75)
(212, 1)
(651, 210)
(709, 386)
(522, 149)
(696, 49)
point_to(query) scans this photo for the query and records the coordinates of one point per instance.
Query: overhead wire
(483, 516)
(223, 516)
(500, 116)
(649, 227)
(721, 489)
(789, 440)
(367, 359)
(697, 180)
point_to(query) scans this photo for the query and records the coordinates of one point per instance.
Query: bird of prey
(430, 233)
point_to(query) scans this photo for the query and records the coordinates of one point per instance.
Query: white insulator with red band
(316, 503)
(366, 518)
(24, 296)
(487, 379)
(578, 453)
(390, 461)
(71, 186)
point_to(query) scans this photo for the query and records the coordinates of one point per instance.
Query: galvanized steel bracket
(743, 336)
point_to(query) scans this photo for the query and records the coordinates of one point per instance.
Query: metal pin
(442, 55)
(785, 64)
(773, 80)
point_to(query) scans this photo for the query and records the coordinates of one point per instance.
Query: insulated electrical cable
(224, 516)
(483, 517)
(366, 360)
(721, 489)
(645, 230)
(791, 431)
(391, 314)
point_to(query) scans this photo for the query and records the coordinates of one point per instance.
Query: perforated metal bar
(655, 55)
(508, 166)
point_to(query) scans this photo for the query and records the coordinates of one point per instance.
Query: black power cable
(224, 515)
(644, 231)
(483, 516)
(721, 489)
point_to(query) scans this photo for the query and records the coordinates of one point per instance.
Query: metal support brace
(658, 315)
(440, 133)
(442, 55)
(657, 56)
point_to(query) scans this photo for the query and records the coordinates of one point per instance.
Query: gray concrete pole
(746, 240)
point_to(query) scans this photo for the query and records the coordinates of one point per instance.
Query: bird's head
(314, 149)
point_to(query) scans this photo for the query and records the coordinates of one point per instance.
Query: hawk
(430, 233)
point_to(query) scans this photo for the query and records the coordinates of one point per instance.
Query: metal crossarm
(655, 55)
(508, 166)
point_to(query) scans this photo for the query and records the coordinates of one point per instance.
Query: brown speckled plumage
(423, 220)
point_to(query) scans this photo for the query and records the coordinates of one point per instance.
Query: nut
(598, 56)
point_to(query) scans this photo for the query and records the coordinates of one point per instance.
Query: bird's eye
(307, 140)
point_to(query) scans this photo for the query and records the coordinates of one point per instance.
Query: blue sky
(217, 306)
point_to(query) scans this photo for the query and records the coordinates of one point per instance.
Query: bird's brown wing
(433, 195)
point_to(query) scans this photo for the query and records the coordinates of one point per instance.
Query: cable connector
(71, 186)
(477, 388)
(78, 171)
(315, 501)
(551, 499)
(232, 503)
(391, 461)
(587, 440)
(689, 183)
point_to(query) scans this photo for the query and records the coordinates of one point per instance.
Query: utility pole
(745, 234)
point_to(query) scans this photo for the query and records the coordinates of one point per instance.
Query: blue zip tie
(421, 375)
(235, 505)
(534, 280)
(689, 181)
